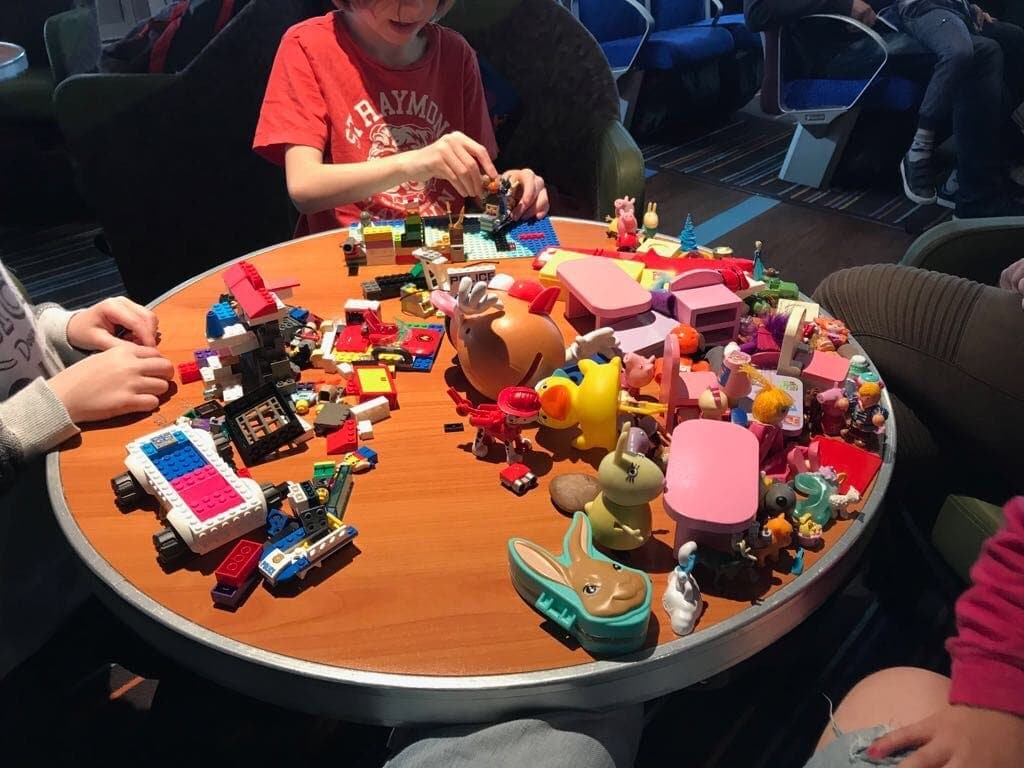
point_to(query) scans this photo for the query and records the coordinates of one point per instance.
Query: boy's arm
(32, 421)
(988, 651)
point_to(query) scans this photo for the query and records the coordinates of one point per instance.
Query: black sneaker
(918, 180)
(946, 194)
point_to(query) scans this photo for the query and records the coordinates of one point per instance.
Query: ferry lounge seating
(166, 160)
(825, 71)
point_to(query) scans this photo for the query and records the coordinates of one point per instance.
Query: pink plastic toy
(833, 410)
(711, 482)
(703, 301)
(680, 392)
(637, 372)
(598, 287)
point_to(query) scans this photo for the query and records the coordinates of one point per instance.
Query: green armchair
(166, 160)
(978, 249)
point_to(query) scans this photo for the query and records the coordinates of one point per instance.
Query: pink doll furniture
(600, 288)
(825, 370)
(711, 481)
(703, 301)
(680, 391)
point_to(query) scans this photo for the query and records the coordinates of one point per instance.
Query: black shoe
(946, 194)
(918, 180)
(996, 208)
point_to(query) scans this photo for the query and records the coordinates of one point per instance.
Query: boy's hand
(981, 17)
(100, 326)
(127, 378)
(534, 200)
(957, 736)
(863, 12)
(1012, 278)
(456, 158)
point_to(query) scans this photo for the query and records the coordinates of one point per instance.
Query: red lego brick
(240, 563)
(344, 439)
(188, 372)
(244, 472)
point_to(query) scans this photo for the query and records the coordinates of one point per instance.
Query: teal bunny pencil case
(603, 604)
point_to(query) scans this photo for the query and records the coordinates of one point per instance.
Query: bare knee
(895, 697)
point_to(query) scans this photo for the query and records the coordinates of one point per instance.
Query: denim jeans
(556, 740)
(967, 83)
(849, 750)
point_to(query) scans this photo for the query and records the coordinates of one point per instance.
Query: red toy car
(518, 478)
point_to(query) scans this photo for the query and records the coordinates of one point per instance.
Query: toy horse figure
(621, 513)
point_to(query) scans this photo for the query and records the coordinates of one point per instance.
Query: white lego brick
(346, 370)
(207, 374)
(364, 428)
(360, 305)
(307, 432)
(373, 410)
(232, 392)
(298, 501)
(753, 286)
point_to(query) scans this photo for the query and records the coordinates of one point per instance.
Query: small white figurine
(682, 600)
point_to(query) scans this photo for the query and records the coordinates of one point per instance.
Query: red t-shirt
(988, 650)
(325, 92)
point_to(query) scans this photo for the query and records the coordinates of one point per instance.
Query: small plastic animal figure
(626, 238)
(637, 372)
(682, 599)
(650, 228)
(780, 532)
(840, 502)
(776, 498)
(621, 513)
(502, 423)
(593, 404)
(605, 605)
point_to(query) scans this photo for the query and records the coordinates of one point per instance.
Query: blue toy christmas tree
(688, 237)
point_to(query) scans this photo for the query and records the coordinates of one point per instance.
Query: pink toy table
(826, 369)
(703, 301)
(711, 479)
(597, 287)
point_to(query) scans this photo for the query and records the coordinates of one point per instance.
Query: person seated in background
(950, 351)
(42, 404)
(376, 108)
(918, 719)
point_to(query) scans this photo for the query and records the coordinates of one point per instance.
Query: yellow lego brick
(667, 248)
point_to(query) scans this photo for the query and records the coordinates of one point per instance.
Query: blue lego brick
(220, 316)
(368, 453)
(173, 464)
(286, 543)
(300, 314)
(536, 226)
(293, 570)
(422, 364)
(276, 521)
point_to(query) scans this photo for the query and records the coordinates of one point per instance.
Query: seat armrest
(978, 249)
(620, 167)
(72, 42)
(963, 525)
(85, 103)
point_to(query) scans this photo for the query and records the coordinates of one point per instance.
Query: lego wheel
(170, 547)
(128, 494)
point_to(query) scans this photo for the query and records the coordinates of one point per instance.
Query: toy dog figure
(621, 513)
(502, 423)
(604, 605)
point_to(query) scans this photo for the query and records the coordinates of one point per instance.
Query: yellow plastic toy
(594, 404)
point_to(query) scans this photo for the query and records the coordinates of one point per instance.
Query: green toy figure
(621, 514)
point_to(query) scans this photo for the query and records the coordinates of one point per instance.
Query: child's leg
(893, 698)
(946, 35)
(591, 739)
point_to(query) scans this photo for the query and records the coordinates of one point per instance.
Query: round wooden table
(417, 620)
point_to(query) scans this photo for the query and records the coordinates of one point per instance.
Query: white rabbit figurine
(682, 600)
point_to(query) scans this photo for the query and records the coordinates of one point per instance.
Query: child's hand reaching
(126, 378)
(534, 201)
(97, 328)
(957, 736)
(454, 157)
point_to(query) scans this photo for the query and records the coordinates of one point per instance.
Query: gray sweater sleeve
(53, 324)
(32, 421)
(770, 14)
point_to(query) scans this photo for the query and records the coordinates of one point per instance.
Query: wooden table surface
(424, 590)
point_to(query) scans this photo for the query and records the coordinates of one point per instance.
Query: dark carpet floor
(747, 153)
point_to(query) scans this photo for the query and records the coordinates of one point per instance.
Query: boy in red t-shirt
(374, 107)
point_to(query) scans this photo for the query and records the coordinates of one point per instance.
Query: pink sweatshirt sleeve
(988, 650)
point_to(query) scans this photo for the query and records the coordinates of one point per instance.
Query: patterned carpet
(747, 154)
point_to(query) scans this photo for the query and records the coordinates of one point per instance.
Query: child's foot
(918, 180)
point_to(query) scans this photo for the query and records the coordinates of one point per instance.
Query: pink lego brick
(205, 492)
